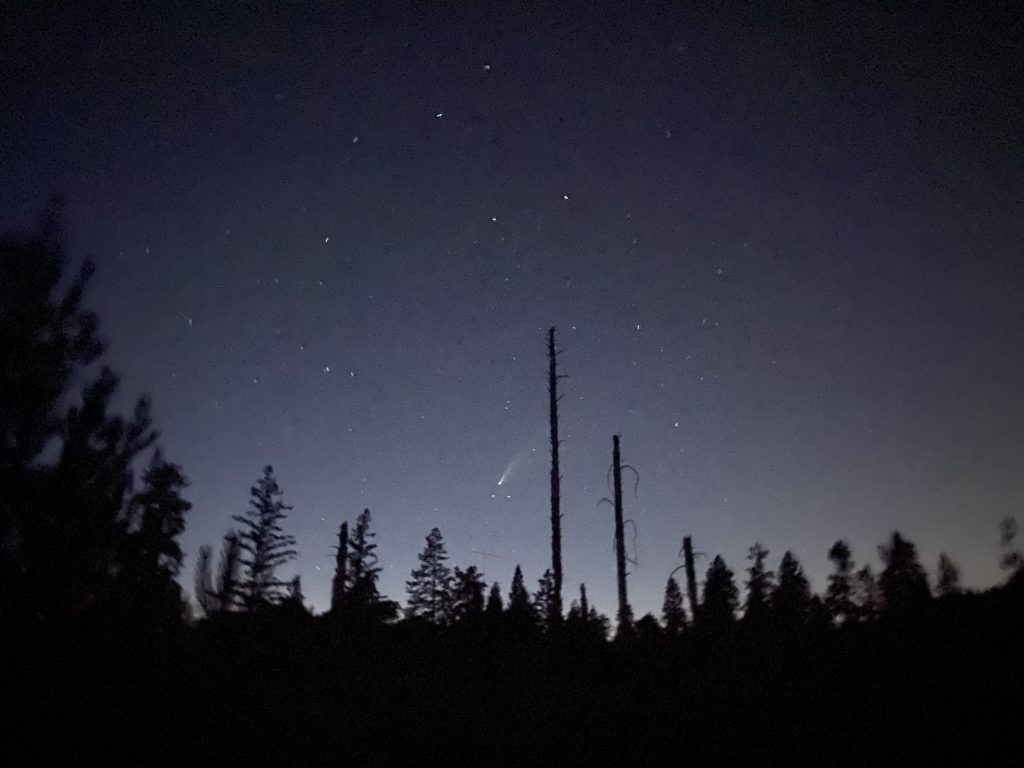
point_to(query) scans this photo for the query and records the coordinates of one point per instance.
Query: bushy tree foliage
(74, 536)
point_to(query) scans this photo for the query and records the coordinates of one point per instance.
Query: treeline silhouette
(105, 656)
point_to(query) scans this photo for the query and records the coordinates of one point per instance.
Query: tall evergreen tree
(468, 594)
(228, 591)
(948, 578)
(264, 544)
(672, 612)
(792, 598)
(520, 608)
(63, 546)
(903, 581)
(839, 596)
(430, 589)
(495, 607)
(203, 583)
(543, 597)
(721, 598)
(47, 338)
(584, 622)
(759, 586)
(339, 583)
(867, 598)
(363, 571)
(153, 557)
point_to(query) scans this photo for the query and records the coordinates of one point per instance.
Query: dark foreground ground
(292, 690)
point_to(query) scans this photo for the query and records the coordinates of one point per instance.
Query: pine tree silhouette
(866, 594)
(543, 597)
(153, 557)
(468, 594)
(903, 582)
(584, 622)
(264, 544)
(430, 589)
(62, 536)
(948, 577)
(202, 588)
(673, 614)
(362, 596)
(791, 600)
(520, 611)
(228, 592)
(339, 584)
(839, 596)
(759, 587)
(1012, 559)
(721, 598)
(495, 607)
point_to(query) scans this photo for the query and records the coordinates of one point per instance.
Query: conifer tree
(520, 608)
(203, 583)
(903, 581)
(153, 557)
(718, 609)
(543, 597)
(264, 545)
(495, 607)
(228, 582)
(792, 598)
(584, 622)
(866, 595)
(363, 571)
(1012, 559)
(64, 547)
(339, 583)
(430, 589)
(672, 612)
(759, 586)
(156, 518)
(948, 579)
(468, 594)
(839, 596)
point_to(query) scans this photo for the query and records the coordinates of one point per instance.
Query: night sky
(783, 253)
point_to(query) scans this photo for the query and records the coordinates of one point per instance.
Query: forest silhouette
(105, 655)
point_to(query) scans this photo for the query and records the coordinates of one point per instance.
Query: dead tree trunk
(691, 577)
(555, 608)
(340, 571)
(625, 615)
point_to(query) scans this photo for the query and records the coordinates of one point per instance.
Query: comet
(523, 457)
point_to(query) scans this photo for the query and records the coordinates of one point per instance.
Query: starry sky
(783, 252)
